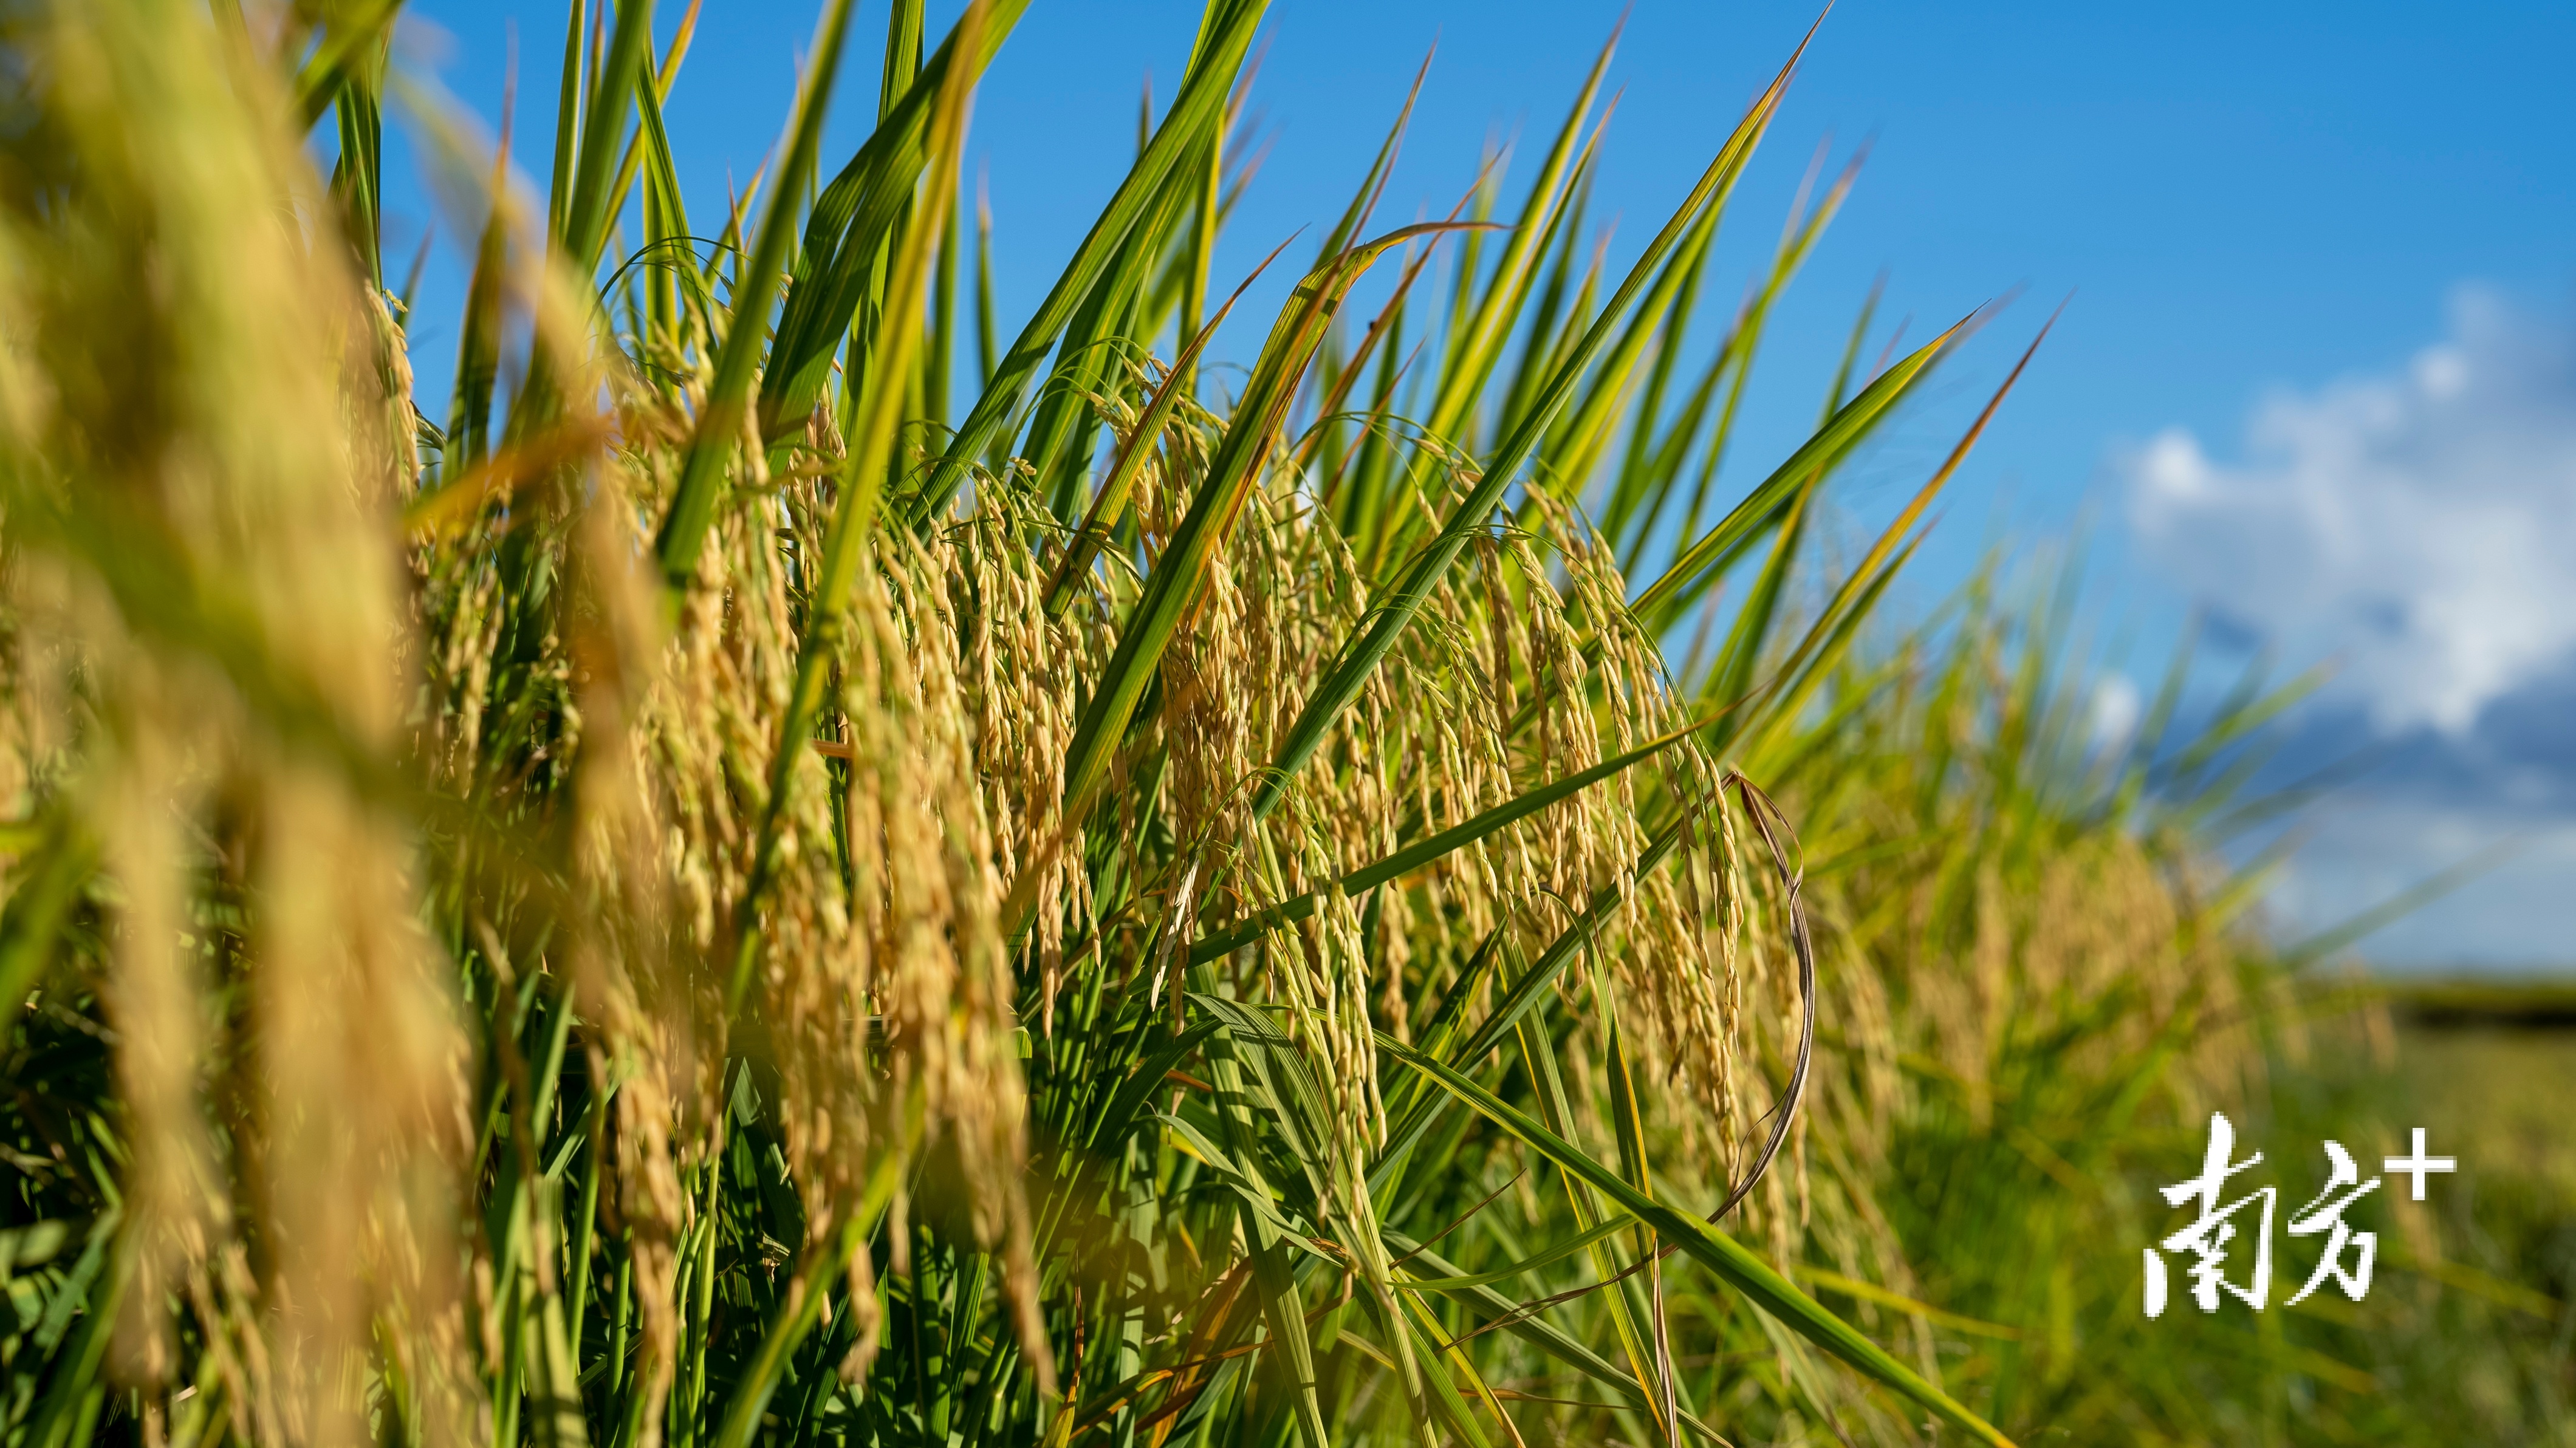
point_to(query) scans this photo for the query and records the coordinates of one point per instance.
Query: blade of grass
(1225, 38)
(1737, 1265)
(1546, 1336)
(1111, 500)
(847, 229)
(728, 395)
(1359, 657)
(589, 205)
(1181, 570)
(1479, 343)
(1679, 586)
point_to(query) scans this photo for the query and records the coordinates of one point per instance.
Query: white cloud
(2116, 709)
(2418, 525)
(2360, 853)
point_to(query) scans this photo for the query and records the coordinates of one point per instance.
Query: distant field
(2497, 1066)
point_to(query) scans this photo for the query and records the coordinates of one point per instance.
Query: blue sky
(2318, 376)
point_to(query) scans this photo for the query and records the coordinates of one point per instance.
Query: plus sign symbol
(2416, 1164)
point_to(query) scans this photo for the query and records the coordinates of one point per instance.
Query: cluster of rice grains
(206, 437)
(1526, 669)
(934, 791)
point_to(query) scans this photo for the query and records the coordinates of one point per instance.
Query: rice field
(788, 864)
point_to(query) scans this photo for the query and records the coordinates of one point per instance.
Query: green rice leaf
(728, 394)
(1224, 40)
(1720, 1253)
(1181, 570)
(1359, 657)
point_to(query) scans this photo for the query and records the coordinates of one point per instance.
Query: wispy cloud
(2360, 852)
(2420, 525)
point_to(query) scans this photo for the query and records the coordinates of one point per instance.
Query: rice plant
(777, 867)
